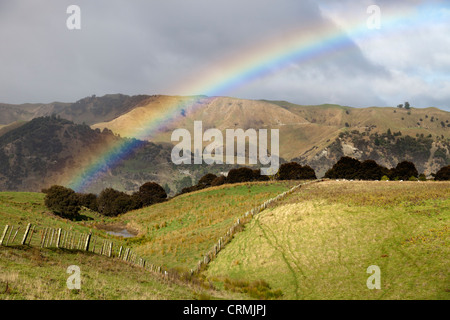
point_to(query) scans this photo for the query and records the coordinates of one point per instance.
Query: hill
(310, 135)
(34, 273)
(319, 242)
(316, 243)
(88, 110)
(50, 150)
(317, 136)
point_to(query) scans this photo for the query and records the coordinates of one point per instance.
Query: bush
(207, 179)
(243, 174)
(403, 171)
(112, 202)
(370, 170)
(62, 201)
(295, 171)
(150, 193)
(88, 200)
(257, 176)
(220, 180)
(384, 178)
(443, 174)
(345, 168)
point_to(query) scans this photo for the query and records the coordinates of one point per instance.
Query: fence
(240, 222)
(46, 237)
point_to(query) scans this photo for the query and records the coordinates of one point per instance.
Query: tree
(243, 174)
(407, 105)
(207, 179)
(218, 181)
(112, 202)
(62, 201)
(345, 168)
(88, 200)
(403, 171)
(295, 171)
(370, 170)
(443, 174)
(150, 193)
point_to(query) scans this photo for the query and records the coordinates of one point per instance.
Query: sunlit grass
(179, 232)
(319, 243)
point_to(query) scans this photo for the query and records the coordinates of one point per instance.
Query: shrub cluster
(295, 171)
(443, 174)
(66, 203)
(350, 168)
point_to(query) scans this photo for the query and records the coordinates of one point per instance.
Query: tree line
(110, 202)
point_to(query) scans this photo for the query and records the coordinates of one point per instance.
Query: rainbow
(295, 46)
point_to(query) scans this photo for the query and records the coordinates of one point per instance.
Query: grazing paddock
(319, 242)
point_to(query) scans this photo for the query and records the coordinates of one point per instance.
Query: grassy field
(200, 217)
(28, 273)
(319, 242)
(177, 233)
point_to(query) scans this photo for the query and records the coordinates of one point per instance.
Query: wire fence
(47, 237)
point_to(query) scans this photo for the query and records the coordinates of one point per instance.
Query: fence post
(88, 239)
(5, 231)
(25, 235)
(110, 249)
(9, 236)
(58, 239)
(32, 232)
(15, 234)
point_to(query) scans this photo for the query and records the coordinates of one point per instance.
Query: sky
(176, 46)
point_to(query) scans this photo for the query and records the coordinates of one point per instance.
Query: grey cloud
(146, 47)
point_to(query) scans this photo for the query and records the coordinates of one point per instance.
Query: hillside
(311, 135)
(319, 242)
(50, 150)
(88, 110)
(316, 243)
(34, 273)
(308, 134)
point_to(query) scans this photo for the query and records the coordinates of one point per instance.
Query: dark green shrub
(88, 200)
(207, 179)
(243, 174)
(443, 174)
(62, 201)
(150, 193)
(218, 181)
(345, 168)
(295, 171)
(403, 171)
(112, 202)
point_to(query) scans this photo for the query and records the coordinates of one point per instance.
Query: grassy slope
(179, 232)
(316, 245)
(33, 273)
(319, 243)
